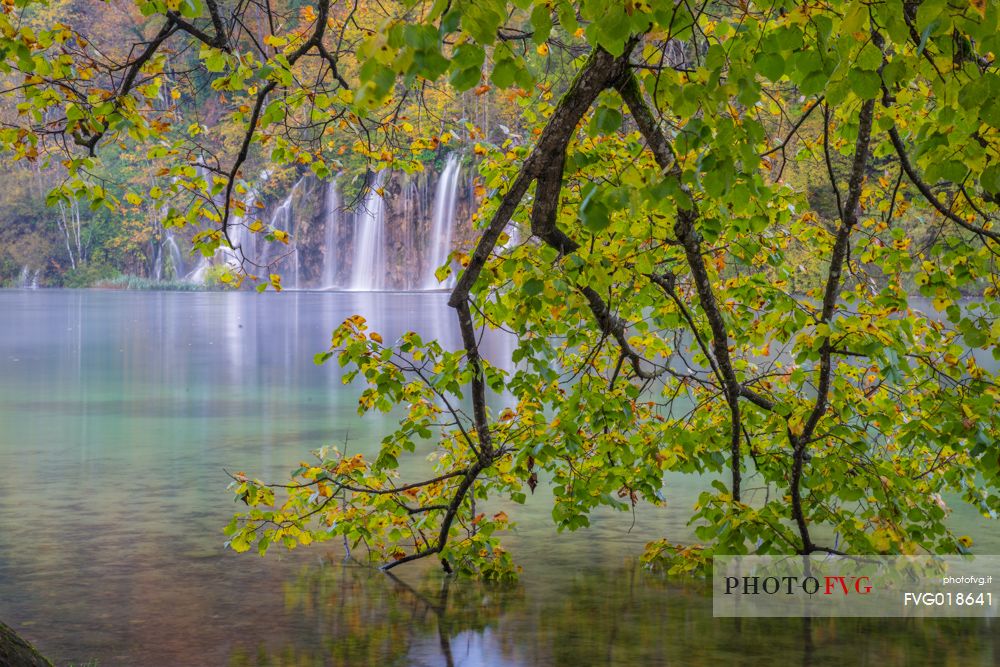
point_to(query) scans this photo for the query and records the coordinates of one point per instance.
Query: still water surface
(119, 412)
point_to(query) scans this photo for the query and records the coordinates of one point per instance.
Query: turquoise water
(120, 413)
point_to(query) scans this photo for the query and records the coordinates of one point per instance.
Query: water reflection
(622, 617)
(119, 413)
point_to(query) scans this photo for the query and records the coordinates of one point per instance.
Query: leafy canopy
(725, 214)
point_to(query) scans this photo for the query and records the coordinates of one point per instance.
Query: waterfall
(201, 265)
(283, 218)
(246, 245)
(401, 231)
(408, 235)
(168, 264)
(157, 272)
(244, 242)
(173, 252)
(442, 224)
(332, 222)
(368, 272)
(197, 272)
(29, 278)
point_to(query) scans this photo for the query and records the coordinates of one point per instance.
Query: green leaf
(532, 287)
(594, 213)
(865, 84)
(215, 61)
(541, 23)
(813, 82)
(465, 79)
(504, 73)
(990, 179)
(481, 20)
(771, 65)
(607, 120)
(925, 35)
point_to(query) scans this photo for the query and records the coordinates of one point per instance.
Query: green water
(121, 411)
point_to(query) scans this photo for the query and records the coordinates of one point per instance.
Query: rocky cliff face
(326, 230)
(17, 652)
(391, 236)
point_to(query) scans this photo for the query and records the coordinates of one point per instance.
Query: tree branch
(849, 218)
(690, 241)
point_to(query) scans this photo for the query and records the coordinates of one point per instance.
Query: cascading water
(408, 238)
(169, 263)
(442, 224)
(332, 222)
(284, 219)
(246, 245)
(368, 272)
(157, 272)
(29, 278)
(197, 272)
(173, 254)
(243, 240)
(403, 231)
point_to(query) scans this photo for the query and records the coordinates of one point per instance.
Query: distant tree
(651, 285)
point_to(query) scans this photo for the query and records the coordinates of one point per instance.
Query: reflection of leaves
(365, 617)
(351, 615)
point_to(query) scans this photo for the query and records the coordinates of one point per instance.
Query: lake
(120, 413)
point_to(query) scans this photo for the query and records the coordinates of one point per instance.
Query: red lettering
(830, 584)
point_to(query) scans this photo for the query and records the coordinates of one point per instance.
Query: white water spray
(442, 224)
(334, 216)
(368, 272)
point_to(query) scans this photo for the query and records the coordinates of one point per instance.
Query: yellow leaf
(796, 425)
(543, 49)
(881, 539)
(281, 236)
(375, 337)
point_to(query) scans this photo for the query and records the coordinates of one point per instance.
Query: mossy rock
(17, 652)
